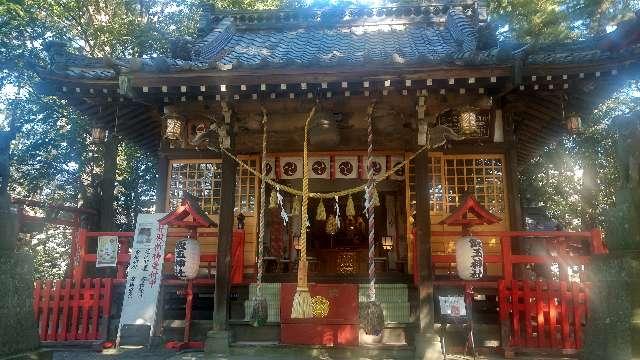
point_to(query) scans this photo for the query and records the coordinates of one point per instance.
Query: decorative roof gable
(189, 214)
(470, 205)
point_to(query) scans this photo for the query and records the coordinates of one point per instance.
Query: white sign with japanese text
(452, 305)
(107, 253)
(145, 272)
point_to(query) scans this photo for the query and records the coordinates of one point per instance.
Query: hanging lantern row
(173, 124)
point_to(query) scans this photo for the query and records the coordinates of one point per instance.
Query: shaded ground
(126, 354)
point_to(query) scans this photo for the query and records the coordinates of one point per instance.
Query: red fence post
(79, 270)
(55, 311)
(564, 313)
(597, 245)
(64, 319)
(515, 301)
(84, 309)
(106, 308)
(44, 319)
(507, 265)
(237, 257)
(552, 295)
(123, 248)
(540, 308)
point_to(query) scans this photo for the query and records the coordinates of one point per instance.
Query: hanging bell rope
(373, 317)
(302, 307)
(260, 307)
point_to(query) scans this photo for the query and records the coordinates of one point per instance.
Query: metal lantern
(323, 130)
(574, 122)
(467, 122)
(173, 124)
(469, 258)
(187, 259)
(387, 242)
(98, 135)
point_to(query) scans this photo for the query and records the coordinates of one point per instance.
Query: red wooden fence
(560, 241)
(542, 314)
(66, 310)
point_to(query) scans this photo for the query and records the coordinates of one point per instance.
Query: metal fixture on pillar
(387, 243)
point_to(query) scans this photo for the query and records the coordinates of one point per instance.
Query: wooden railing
(82, 259)
(563, 247)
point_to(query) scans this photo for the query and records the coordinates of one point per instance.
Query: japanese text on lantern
(476, 258)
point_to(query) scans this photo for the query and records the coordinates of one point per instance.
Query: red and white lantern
(469, 258)
(187, 259)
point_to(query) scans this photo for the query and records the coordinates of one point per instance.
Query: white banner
(107, 254)
(145, 272)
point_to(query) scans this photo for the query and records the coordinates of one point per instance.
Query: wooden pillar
(218, 339)
(588, 194)
(161, 188)
(107, 213)
(427, 342)
(512, 179)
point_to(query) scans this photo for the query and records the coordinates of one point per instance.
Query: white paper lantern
(469, 258)
(187, 259)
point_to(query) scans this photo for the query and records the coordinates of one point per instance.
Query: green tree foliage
(555, 179)
(557, 20)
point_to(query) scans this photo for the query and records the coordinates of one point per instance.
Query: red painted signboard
(339, 327)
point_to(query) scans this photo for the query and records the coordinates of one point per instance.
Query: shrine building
(452, 114)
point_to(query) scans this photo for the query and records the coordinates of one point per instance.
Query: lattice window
(200, 178)
(481, 175)
(436, 186)
(246, 187)
(450, 176)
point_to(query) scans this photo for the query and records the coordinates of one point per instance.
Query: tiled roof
(358, 37)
